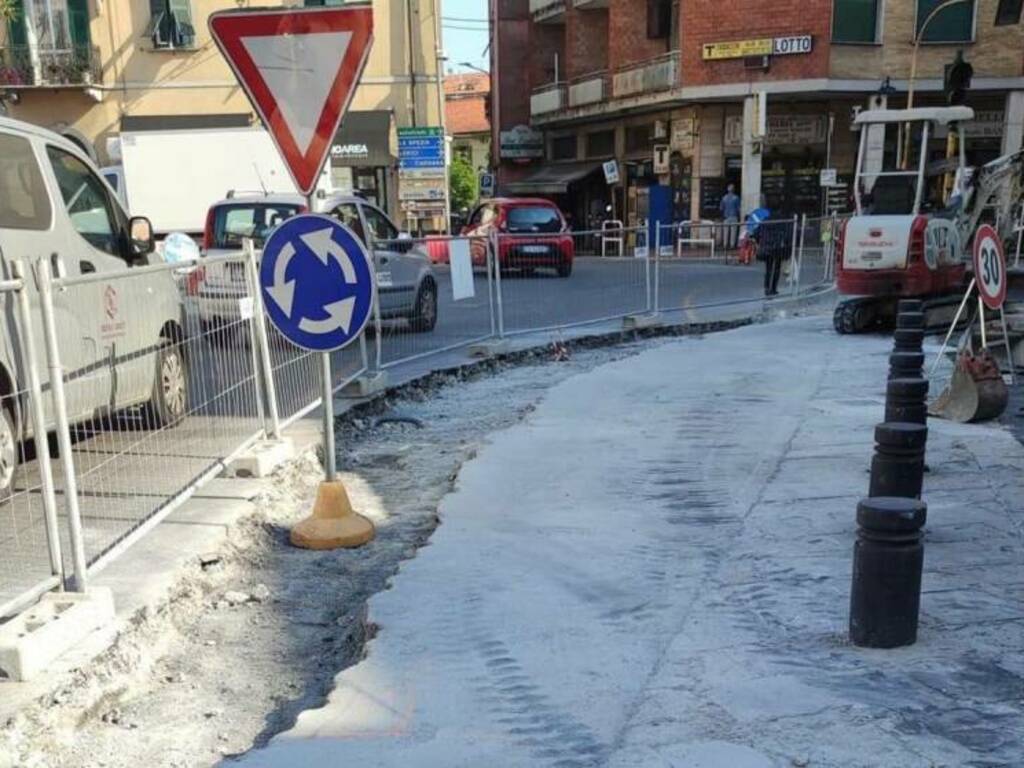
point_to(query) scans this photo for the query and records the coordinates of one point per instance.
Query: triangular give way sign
(299, 67)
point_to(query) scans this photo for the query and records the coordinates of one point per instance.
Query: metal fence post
(830, 264)
(60, 411)
(657, 265)
(490, 289)
(496, 260)
(39, 436)
(260, 321)
(647, 285)
(798, 267)
(793, 254)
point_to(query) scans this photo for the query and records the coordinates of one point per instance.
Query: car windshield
(534, 219)
(234, 222)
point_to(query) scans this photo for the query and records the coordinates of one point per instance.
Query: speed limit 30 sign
(990, 267)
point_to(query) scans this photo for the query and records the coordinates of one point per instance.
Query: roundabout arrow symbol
(339, 316)
(324, 246)
(282, 291)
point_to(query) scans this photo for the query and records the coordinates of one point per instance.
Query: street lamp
(467, 65)
(917, 44)
(919, 35)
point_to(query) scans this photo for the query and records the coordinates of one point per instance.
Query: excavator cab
(903, 240)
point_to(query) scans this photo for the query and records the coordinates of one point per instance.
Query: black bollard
(897, 468)
(910, 320)
(906, 400)
(909, 305)
(906, 365)
(908, 340)
(888, 556)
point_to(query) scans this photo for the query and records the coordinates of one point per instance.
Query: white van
(120, 334)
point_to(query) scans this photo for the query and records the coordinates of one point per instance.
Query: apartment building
(614, 79)
(467, 110)
(93, 68)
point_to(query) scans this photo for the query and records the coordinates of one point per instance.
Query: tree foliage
(463, 185)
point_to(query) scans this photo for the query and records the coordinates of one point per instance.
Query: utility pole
(442, 117)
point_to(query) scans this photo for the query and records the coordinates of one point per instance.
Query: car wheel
(424, 314)
(8, 452)
(170, 389)
(564, 270)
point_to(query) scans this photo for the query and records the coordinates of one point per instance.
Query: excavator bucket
(976, 392)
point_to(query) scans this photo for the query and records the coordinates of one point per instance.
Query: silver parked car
(120, 334)
(406, 282)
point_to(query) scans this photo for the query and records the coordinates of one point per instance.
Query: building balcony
(547, 99)
(24, 66)
(588, 89)
(548, 11)
(649, 76)
(586, 5)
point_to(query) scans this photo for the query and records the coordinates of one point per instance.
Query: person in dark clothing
(774, 244)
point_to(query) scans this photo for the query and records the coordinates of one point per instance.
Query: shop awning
(364, 139)
(553, 179)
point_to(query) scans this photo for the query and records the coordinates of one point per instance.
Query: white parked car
(406, 281)
(120, 336)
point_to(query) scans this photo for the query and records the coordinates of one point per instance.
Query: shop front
(362, 161)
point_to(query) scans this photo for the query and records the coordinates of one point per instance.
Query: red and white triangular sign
(299, 67)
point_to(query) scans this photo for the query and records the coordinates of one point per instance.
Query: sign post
(300, 68)
(991, 281)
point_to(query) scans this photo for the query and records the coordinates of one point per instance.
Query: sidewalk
(653, 570)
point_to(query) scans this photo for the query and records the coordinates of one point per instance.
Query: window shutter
(1008, 12)
(855, 21)
(16, 25)
(953, 25)
(78, 21)
(184, 30)
(659, 18)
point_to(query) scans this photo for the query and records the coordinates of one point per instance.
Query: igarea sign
(299, 67)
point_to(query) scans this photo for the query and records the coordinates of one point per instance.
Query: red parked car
(532, 233)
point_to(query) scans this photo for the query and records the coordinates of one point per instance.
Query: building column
(1013, 126)
(751, 158)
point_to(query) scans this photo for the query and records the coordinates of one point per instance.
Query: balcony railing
(547, 10)
(648, 76)
(23, 66)
(547, 98)
(588, 89)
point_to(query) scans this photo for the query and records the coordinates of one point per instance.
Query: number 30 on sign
(990, 267)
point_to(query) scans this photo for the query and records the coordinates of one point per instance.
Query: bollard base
(491, 348)
(261, 459)
(333, 524)
(30, 642)
(639, 322)
(366, 386)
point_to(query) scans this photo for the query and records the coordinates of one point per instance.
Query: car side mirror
(140, 230)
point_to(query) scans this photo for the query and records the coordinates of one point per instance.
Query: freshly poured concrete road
(653, 570)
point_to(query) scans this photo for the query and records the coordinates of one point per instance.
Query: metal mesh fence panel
(434, 296)
(160, 387)
(561, 280)
(31, 560)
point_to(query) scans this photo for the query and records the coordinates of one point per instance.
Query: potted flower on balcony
(9, 74)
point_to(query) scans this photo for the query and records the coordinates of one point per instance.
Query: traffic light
(957, 80)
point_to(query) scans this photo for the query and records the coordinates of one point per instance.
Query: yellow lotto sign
(738, 49)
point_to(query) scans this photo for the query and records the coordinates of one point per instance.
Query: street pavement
(653, 569)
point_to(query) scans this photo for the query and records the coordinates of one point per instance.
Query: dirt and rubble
(254, 633)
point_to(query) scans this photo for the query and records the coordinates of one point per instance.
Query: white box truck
(176, 175)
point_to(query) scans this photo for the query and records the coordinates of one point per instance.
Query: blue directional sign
(421, 149)
(317, 282)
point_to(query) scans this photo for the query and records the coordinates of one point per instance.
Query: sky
(465, 40)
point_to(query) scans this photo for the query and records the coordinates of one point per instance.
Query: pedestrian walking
(774, 243)
(730, 208)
